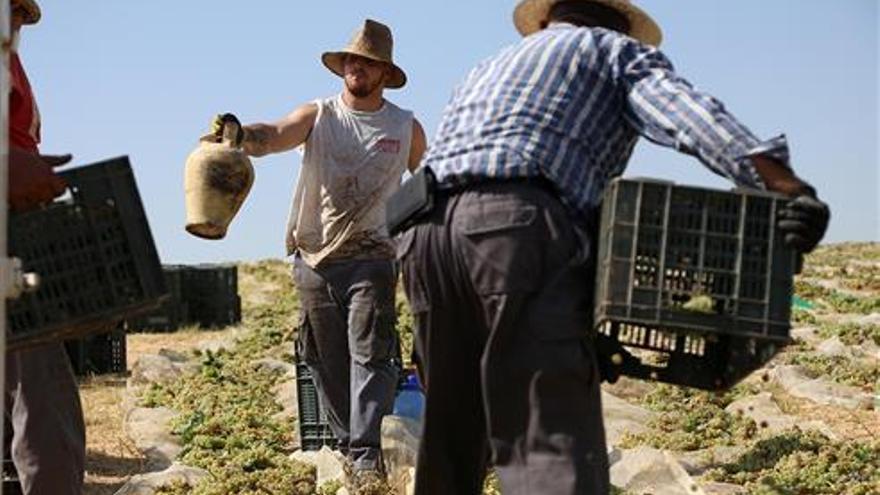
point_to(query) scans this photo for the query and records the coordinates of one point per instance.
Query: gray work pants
(349, 342)
(498, 281)
(48, 432)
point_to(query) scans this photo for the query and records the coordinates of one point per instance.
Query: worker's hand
(32, 181)
(612, 358)
(803, 221)
(219, 124)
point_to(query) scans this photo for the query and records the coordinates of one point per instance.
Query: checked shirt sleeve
(666, 109)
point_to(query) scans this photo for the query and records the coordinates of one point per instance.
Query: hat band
(590, 14)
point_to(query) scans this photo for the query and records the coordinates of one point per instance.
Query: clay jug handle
(232, 131)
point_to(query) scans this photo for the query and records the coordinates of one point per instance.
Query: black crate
(665, 249)
(99, 354)
(211, 292)
(11, 484)
(95, 255)
(171, 314)
(314, 429)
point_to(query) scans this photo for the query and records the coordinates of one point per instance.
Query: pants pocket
(372, 337)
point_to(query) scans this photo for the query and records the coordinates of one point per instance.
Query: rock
(274, 366)
(798, 384)
(151, 368)
(215, 346)
(400, 447)
(764, 411)
(628, 388)
(285, 396)
(871, 350)
(621, 418)
(150, 431)
(700, 461)
(723, 489)
(871, 319)
(646, 470)
(328, 463)
(810, 335)
(175, 356)
(147, 484)
(834, 347)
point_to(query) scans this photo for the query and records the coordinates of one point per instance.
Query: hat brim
(33, 11)
(529, 14)
(334, 61)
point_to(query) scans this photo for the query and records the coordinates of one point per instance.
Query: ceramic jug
(217, 180)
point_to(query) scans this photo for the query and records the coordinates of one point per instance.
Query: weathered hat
(530, 13)
(31, 9)
(373, 41)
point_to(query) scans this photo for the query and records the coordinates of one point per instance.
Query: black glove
(612, 358)
(803, 221)
(219, 124)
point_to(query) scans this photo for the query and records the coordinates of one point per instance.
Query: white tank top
(353, 163)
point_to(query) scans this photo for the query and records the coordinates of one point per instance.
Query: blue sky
(145, 78)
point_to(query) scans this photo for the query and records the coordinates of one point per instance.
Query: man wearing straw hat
(497, 271)
(357, 146)
(45, 432)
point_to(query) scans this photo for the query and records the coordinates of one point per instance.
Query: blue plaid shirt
(569, 104)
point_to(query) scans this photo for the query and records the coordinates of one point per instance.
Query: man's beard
(362, 90)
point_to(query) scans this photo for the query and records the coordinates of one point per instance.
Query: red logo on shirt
(388, 146)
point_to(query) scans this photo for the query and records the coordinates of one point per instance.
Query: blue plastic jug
(410, 401)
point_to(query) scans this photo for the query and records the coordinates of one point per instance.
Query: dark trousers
(349, 341)
(497, 278)
(48, 432)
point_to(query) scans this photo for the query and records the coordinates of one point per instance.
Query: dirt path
(111, 458)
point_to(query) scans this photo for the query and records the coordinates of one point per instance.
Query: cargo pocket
(500, 246)
(305, 348)
(372, 337)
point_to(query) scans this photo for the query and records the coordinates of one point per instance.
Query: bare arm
(779, 178)
(285, 134)
(417, 148)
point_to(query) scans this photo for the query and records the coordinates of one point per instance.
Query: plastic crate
(314, 429)
(694, 282)
(99, 354)
(11, 484)
(211, 292)
(171, 314)
(94, 253)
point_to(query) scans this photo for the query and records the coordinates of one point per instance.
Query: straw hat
(32, 10)
(530, 13)
(373, 41)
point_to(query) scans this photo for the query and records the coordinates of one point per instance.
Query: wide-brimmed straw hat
(32, 10)
(373, 41)
(530, 13)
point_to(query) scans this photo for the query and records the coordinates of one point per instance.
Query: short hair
(581, 13)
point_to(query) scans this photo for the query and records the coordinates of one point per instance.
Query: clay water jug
(217, 180)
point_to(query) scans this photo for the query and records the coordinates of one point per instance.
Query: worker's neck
(370, 103)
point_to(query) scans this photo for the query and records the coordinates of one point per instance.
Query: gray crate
(665, 248)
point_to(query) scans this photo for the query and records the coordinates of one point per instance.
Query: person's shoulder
(394, 108)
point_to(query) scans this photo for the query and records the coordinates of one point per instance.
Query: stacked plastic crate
(174, 312)
(314, 429)
(211, 292)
